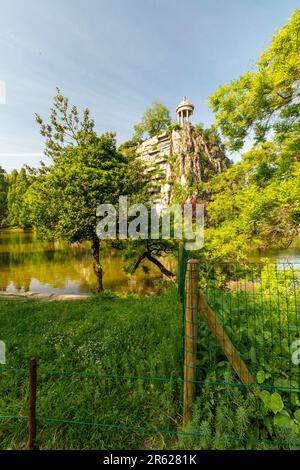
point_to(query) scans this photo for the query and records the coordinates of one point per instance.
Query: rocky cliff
(181, 157)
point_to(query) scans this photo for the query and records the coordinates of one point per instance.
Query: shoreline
(48, 297)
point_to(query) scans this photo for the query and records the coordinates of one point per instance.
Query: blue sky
(117, 56)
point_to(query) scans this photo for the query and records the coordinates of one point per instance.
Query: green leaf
(266, 398)
(283, 419)
(276, 404)
(297, 415)
(294, 399)
(260, 376)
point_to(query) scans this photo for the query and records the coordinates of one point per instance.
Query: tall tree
(256, 202)
(3, 197)
(265, 100)
(86, 170)
(156, 118)
(18, 183)
(66, 128)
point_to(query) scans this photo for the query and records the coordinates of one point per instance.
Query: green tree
(156, 118)
(86, 170)
(18, 183)
(265, 100)
(65, 128)
(256, 203)
(3, 197)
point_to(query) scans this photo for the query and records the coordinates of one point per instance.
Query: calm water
(28, 264)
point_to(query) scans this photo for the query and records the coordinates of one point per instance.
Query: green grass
(142, 337)
(105, 335)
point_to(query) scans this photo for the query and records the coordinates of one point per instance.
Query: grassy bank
(106, 335)
(140, 338)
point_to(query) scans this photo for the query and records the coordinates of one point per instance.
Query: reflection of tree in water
(61, 266)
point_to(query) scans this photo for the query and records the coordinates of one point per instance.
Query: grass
(104, 335)
(143, 337)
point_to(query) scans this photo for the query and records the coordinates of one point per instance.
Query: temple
(184, 111)
(179, 156)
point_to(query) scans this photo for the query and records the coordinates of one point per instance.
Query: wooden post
(190, 352)
(32, 404)
(224, 341)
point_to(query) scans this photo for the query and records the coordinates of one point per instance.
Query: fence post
(181, 272)
(190, 347)
(179, 269)
(32, 404)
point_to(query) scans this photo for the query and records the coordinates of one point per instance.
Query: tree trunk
(155, 261)
(97, 265)
(162, 268)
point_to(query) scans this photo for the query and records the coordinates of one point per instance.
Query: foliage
(18, 213)
(266, 99)
(88, 175)
(128, 149)
(87, 170)
(227, 417)
(255, 203)
(154, 120)
(3, 197)
(258, 306)
(65, 128)
(103, 336)
(174, 127)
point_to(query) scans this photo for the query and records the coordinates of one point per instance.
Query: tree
(267, 99)
(154, 120)
(18, 183)
(65, 129)
(3, 197)
(256, 203)
(86, 171)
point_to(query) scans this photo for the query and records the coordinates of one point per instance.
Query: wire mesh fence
(242, 351)
(258, 305)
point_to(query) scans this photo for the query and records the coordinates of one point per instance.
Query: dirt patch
(45, 297)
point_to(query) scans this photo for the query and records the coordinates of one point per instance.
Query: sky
(117, 56)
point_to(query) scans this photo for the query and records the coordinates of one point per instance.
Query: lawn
(103, 335)
(117, 363)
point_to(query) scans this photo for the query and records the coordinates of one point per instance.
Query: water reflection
(289, 255)
(30, 264)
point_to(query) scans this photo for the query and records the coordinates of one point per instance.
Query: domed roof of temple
(185, 104)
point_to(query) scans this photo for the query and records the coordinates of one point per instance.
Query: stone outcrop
(180, 156)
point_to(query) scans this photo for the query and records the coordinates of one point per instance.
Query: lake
(29, 264)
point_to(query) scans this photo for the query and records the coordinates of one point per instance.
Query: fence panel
(258, 307)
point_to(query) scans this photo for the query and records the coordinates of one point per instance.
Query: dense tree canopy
(85, 172)
(256, 203)
(266, 99)
(18, 214)
(3, 197)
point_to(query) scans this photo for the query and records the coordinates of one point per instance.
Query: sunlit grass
(129, 336)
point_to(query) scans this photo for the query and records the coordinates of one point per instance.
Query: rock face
(180, 157)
